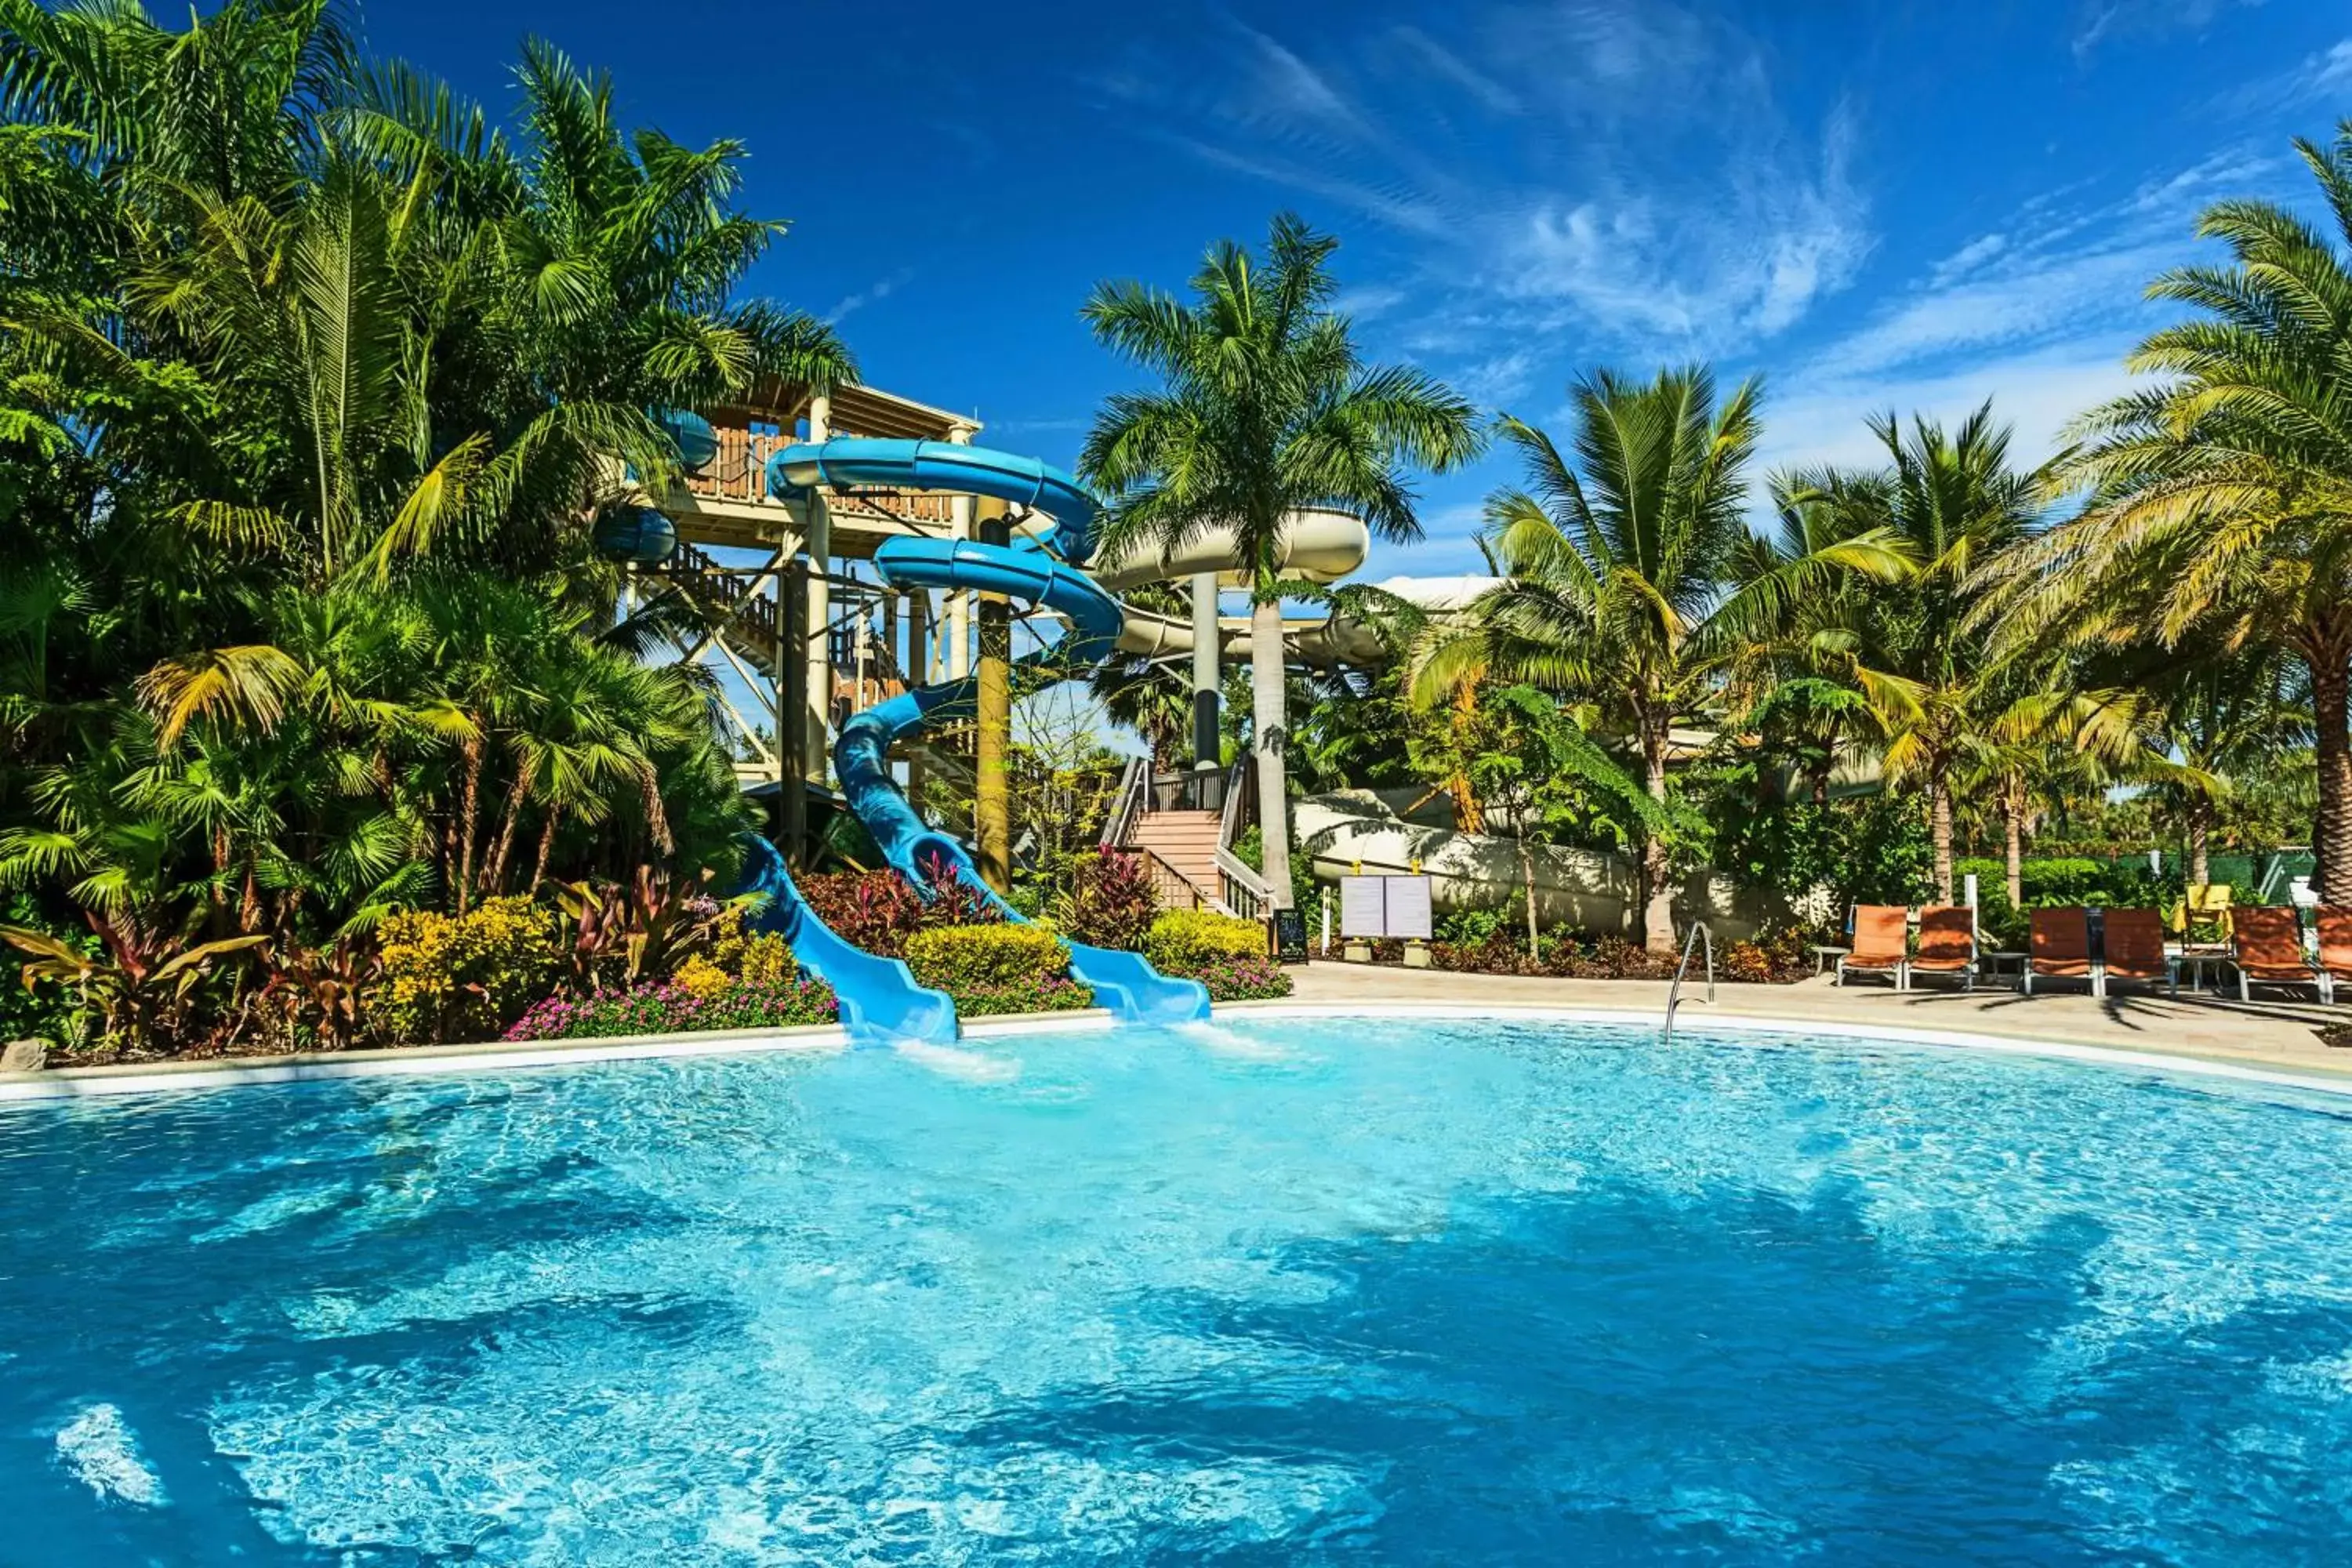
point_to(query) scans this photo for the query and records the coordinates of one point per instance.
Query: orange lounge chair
(2266, 949)
(1881, 943)
(1948, 944)
(2059, 945)
(2132, 948)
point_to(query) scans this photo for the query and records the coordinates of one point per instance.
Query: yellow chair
(2206, 908)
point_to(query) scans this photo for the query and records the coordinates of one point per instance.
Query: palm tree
(2222, 498)
(1265, 408)
(1618, 570)
(1952, 505)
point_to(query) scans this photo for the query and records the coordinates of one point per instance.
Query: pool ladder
(1698, 933)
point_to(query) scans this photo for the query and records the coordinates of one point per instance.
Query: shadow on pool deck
(2274, 1035)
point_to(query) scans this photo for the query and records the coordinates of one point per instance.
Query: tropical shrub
(878, 910)
(460, 977)
(1185, 942)
(672, 1006)
(143, 985)
(620, 935)
(52, 1012)
(1110, 902)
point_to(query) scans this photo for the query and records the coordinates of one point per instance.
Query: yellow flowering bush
(697, 976)
(1183, 941)
(766, 960)
(998, 968)
(453, 977)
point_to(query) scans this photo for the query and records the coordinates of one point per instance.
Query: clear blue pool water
(1278, 1292)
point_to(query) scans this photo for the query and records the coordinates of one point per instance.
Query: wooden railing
(1243, 890)
(1126, 805)
(1171, 889)
(1240, 885)
(739, 473)
(736, 607)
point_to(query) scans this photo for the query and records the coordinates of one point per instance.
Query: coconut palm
(1951, 503)
(1264, 408)
(2220, 510)
(1618, 575)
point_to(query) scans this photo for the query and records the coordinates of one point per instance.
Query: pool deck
(2276, 1035)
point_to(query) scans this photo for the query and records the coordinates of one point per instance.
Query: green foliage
(1251, 847)
(312, 389)
(51, 1013)
(1185, 942)
(461, 977)
(1872, 849)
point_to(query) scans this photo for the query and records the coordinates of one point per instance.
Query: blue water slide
(1027, 571)
(879, 999)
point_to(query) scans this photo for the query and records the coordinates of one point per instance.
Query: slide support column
(992, 742)
(1206, 676)
(959, 600)
(817, 631)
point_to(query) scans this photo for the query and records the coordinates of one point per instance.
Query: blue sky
(1903, 204)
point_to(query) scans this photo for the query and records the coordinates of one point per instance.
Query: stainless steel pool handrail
(1698, 933)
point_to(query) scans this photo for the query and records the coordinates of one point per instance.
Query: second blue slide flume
(1123, 982)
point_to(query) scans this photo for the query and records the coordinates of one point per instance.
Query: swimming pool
(1272, 1291)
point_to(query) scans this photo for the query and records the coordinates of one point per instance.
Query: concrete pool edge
(143, 1078)
(1719, 1024)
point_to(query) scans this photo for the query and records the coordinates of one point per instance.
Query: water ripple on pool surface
(1292, 1291)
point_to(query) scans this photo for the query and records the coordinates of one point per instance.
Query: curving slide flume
(878, 997)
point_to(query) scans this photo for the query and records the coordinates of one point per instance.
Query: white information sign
(1362, 907)
(1408, 907)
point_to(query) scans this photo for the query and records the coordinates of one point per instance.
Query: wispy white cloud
(1369, 301)
(1967, 258)
(872, 294)
(2100, 21)
(2040, 315)
(1726, 227)
(2319, 74)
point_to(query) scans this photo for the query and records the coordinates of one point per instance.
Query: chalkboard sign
(1290, 936)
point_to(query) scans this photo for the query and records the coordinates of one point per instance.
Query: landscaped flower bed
(1223, 953)
(668, 1007)
(1243, 979)
(997, 968)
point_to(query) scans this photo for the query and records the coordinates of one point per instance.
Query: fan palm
(2221, 500)
(1265, 408)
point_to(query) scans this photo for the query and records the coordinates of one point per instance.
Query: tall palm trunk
(2012, 811)
(1658, 865)
(1940, 831)
(1268, 722)
(470, 800)
(1468, 815)
(2330, 689)
(494, 874)
(2200, 838)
